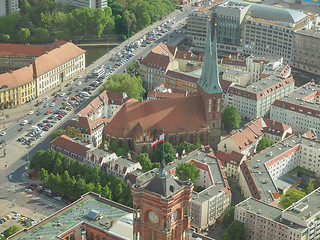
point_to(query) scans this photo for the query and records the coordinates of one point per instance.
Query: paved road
(13, 170)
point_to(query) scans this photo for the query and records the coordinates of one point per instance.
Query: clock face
(154, 218)
(174, 216)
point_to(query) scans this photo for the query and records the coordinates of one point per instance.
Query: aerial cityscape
(160, 119)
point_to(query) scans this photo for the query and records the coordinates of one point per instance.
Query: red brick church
(189, 118)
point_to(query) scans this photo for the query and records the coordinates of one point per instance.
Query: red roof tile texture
(17, 78)
(56, 57)
(170, 115)
(65, 142)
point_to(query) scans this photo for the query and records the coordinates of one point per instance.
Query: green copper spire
(209, 79)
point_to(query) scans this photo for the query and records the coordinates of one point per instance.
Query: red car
(47, 112)
(74, 98)
(56, 99)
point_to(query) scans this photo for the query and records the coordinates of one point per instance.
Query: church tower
(161, 208)
(209, 86)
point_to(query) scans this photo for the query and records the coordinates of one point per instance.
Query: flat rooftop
(267, 211)
(299, 96)
(76, 213)
(306, 208)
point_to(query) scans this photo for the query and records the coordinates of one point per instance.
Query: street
(15, 157)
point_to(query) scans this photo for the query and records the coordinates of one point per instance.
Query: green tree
(230, 118)
(236, 230)
(73, 132)
(316, 182)
(188, 147)
(292, 195)
(41, 34)
(263, 144)
(121, 152)
(113, 146)
(228, 217)
(106, 193)
(43, 175)
(25, 6)
(12, 230)
(169, 152)
(145, 161)
(56, 134)
(120, 83)
(188, 170)
(134, 68)
(5, 37)
(24, 34)
(225, 236)
(310, 187)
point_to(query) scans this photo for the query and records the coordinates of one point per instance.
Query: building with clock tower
(161, 208)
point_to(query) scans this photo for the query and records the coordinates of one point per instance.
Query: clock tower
(161, 208)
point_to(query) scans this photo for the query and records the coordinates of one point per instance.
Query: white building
(57, 66)
(300, 221)
(236, 76)
(300, 109)
(86, 3)
(8, 6)
(255, 100)
(263, 175)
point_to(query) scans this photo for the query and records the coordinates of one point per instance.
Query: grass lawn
(300, 169)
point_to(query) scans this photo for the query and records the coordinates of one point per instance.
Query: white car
(31, 112)
(62, 94)
(3, 133)
(52, 104)
(78, 83)
(28, 190)
(16, 216)
(24, 122)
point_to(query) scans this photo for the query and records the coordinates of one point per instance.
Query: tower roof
(209, 79)
(163, 185)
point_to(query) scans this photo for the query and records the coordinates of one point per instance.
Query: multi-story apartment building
(306, 50)
(86, 3)
(251, 28)
(155, 65)
(197, 25)
(300, 221)
(255, 100)
(236, 76)
(300, 109)
(264, 176)
(35, 69)
(8, 6)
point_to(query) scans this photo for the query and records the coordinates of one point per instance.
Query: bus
(99, 72)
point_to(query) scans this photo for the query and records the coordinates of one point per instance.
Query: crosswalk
(48, 202)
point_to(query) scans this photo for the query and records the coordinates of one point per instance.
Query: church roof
(170, 115)
(163, 185)
(209, 79)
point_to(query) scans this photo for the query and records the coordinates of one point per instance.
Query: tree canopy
(188, 170)
(291, 196)
(310, 187)
(69, 131)
(263, 144)
(72, 179)
(230, 118)
(169, 153)
(120, 83)
(228, 217)
(45, 20)
(134, 68)
(12, 230)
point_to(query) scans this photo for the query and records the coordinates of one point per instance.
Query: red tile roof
(274, 127)
(170, 115)
(86, 125)
(181, 76)
(161, 95)
(17, 78)
(226, 158)
(310, 134)
(28, 50)
(250, 182)
(66, 143)
(188, 55)
(160, 57)
(56, 57)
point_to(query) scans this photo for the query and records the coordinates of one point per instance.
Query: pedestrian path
(47, 202)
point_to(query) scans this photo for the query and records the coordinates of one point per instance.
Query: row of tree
(45, 20)
(72, 179)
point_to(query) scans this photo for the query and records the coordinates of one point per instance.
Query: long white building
(300, 109)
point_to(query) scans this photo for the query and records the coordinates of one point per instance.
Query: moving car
(24, 122)
(3, 133)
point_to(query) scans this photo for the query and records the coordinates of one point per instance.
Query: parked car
(24, 122)
(3, 133)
